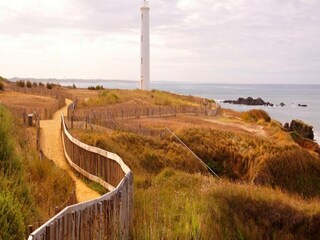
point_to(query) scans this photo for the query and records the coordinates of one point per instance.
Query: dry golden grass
(135, 98)
(20, 102)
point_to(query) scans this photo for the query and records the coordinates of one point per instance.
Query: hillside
(173, 189)
(269, 187)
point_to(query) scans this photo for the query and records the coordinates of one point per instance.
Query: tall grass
(30, 188)
(178, 205)
(174, 201)
(255, 159)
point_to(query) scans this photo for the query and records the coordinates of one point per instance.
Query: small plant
(29, 84)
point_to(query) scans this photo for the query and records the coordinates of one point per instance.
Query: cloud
(211, 40)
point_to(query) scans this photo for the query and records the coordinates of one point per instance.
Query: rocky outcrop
(301, 128)
(249, 101)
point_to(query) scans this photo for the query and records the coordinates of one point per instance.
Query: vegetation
(256, 115)
(29, 84)
(49, 85)
(98, 87)
(142, 98)
(21, 83)
(1, 86)
(146, 155)
(30, 188)
(204, 208)
(201, 206)
(259, 160)
(16, 204)
(105, 97)
(2, 79)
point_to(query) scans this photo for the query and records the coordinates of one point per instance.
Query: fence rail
(107, 217)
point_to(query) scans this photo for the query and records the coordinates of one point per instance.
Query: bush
(41, 84)
(34, 84)
(98, 87)
(1, 86)
(29, 84)
(21, 83)
(11, 219)
(49, 85)
(255, 115)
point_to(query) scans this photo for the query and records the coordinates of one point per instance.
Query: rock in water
(302, 105)
(249, 101)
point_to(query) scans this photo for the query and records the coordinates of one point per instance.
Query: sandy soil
(51, 144)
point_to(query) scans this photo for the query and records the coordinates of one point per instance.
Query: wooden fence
(107, 217)
(108, 116)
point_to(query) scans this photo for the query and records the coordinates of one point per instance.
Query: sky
(216, 41)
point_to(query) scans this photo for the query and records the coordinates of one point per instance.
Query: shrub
(74, 86)
(99, 87)
(255, 115)
(29, 84)
(11, 219)
(49, 85)
(41, 84)
(1, 86)
(21, 83)
(34, 84)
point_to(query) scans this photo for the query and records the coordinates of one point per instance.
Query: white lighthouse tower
(145, 47)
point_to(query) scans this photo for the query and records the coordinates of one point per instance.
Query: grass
(105, 97)
(256, 115)
(174, 201)
(140, 98)
(30, 188)
(178, 205)
(154, 153)
(254, 159)
(91, 184)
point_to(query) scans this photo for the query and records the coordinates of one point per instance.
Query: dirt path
(51, 144)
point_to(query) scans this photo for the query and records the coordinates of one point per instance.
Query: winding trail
(52, 147)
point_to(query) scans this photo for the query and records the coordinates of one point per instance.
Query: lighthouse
(145, 47)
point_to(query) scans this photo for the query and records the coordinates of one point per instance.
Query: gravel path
(51, 144)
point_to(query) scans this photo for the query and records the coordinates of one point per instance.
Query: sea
(290, 94)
